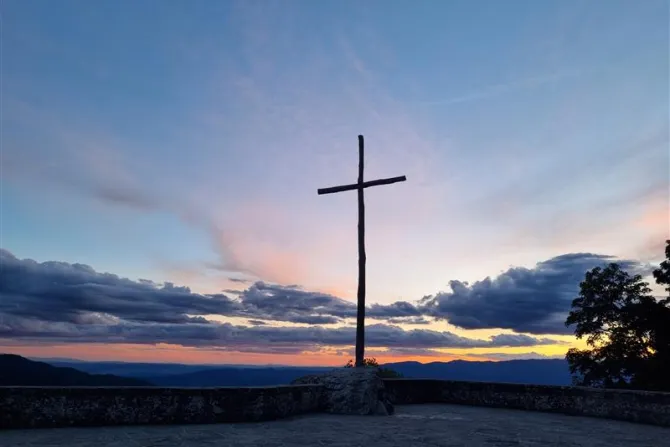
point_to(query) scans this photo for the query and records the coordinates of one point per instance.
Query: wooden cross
(359, 186)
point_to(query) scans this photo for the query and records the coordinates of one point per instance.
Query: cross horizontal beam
(356, 186)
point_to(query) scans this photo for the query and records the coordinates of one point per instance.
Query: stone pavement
(416, 425)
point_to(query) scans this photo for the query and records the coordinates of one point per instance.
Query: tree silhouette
(626, 330)
(662, 274)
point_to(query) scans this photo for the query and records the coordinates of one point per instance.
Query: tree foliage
(384, 373)
(662, 274)
(626, 330)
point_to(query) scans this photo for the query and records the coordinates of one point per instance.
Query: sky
(160, 161)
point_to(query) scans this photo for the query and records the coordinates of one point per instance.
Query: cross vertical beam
(360, 186)
(360, 314)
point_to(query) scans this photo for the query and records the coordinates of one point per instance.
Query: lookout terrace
(346, 407)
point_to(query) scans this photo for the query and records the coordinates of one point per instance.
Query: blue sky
(184, 141)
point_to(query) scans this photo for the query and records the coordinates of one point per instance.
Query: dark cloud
(312, 319)
(256, 322)
(382, 335)
(293, 304)
(533, 300)
(398, 309)
(239, 280)
(408, 320)
(518, 340)
(402, 352)
(515, 356)
(235, 338)
(59, 302)
(58, 291)
(232, 291)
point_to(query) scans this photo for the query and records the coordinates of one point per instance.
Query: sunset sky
(160, 161)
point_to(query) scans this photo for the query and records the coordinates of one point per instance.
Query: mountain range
(537, 371)
(19, 371)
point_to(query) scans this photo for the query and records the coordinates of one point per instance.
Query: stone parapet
(626, 405)
(28, 407)
(352, 392)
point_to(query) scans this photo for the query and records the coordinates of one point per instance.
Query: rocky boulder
(351, 391)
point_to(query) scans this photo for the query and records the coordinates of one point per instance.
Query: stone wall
(27, 407)
(635, 406)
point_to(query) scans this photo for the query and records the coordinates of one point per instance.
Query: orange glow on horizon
(179, 354)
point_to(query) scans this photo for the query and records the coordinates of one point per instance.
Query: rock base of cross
(357, 391)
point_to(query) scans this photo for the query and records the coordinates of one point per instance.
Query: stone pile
(357, 391)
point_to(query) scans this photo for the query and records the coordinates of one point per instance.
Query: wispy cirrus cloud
(490, 91)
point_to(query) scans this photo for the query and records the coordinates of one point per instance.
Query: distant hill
(19, 371)
(536, 371)
(236, 376)
(131, 369)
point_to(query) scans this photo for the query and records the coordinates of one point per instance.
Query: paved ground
(418, 425)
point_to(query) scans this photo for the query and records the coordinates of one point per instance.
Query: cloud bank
(534, 300)
(73, 303)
